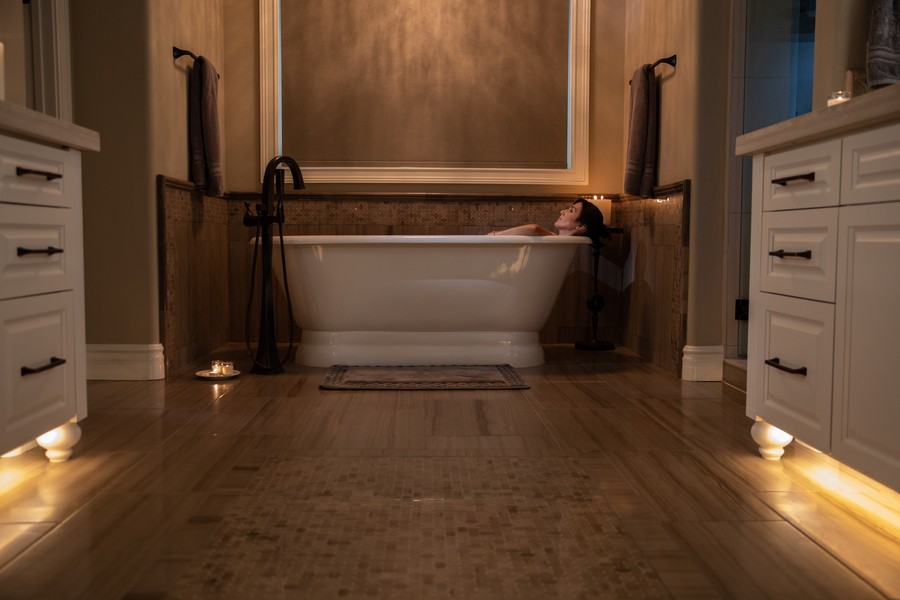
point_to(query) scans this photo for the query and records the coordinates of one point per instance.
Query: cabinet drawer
(36, 255)
(37, 370)
(35, 174)
(796, 367)
(871, 166)
(800, 253)
(807, 177)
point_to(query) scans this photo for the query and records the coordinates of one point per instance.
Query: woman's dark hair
(592, 219)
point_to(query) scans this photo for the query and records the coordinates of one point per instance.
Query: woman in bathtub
(582, 218)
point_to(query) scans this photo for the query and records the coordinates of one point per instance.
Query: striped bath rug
(436, 377)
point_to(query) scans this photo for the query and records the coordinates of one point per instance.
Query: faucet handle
(251, 220)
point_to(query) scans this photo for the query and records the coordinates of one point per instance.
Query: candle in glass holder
(226, 368)
(216, 367)
(838, 97)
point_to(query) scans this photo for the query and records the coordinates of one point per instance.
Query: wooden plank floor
(606, 478)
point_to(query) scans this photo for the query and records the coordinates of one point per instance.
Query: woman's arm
(531, 229)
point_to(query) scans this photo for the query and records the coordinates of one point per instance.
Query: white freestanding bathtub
(423, 300)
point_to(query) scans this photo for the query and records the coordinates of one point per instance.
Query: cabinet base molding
(702, 363)
(126, 362)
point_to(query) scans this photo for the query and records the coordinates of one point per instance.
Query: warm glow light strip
(872, 500)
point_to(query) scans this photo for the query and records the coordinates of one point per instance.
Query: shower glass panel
(778, 80)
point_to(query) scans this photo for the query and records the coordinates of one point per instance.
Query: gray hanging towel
(640, 159)
(883, 50)
(206, 151)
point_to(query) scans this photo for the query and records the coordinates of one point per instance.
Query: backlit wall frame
(577, 133)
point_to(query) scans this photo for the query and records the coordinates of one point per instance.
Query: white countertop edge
(26, 123)
(868, 110)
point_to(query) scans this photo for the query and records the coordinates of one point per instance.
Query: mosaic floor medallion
(421, 528)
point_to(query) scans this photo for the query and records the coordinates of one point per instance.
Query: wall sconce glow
(771, 440)
(58, 442)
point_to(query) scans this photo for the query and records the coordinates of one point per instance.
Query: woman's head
(582, 218)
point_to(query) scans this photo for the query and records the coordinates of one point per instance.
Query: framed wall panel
(431, 91)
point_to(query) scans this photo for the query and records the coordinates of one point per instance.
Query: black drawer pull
(776, 362)
(792, 178)
(48, 175)
(54, 362)
(49, 251)
(807, 254)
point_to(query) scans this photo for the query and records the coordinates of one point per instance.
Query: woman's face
(567, 223)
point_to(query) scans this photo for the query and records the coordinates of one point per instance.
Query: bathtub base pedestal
(394, 348)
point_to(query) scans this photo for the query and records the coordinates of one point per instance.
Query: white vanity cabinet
(823, 359)
(42, 329)
(866, 415)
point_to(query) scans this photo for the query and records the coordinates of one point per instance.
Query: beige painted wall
(111, 96)
(128, 88)
(241, 115)
(194, 26)
(693, 135)
(12, 36)
(842, 32)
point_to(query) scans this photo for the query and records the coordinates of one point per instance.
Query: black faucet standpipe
(268, 213)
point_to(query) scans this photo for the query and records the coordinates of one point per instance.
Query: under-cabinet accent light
(20, 450)
(869, 498)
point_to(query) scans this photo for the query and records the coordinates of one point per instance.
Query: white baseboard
(125, 362)
(702, 363)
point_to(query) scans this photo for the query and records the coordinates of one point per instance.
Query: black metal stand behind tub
(595, 302)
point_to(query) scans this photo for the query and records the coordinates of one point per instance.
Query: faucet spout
(274, 178)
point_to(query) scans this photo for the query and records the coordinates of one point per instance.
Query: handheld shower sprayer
(268, 213)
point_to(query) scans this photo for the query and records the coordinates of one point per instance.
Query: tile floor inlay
(421, 527)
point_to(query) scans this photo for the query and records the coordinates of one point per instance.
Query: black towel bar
(178, 53)
(669, 60)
